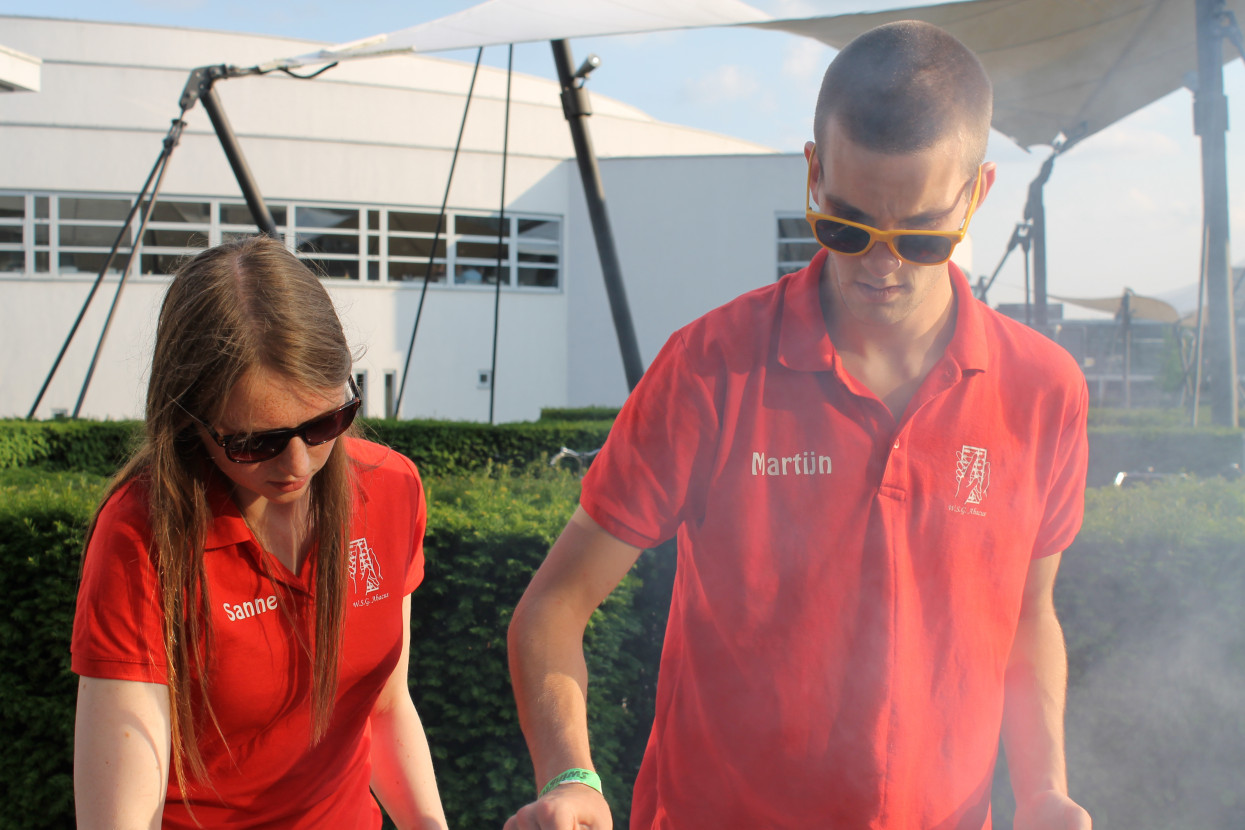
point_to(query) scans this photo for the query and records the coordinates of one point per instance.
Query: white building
(354, 166)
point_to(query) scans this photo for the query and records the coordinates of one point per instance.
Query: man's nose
(880, 260)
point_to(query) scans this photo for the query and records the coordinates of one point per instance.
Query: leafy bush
(1119, 440)
(91, 446)
(1204, 451)
(1151, 594)
(1103, 417)
(486, 537)
(1152, 599)
(42, 518)
(579, 413)
(437, 447)
(457, 447)
(487, 534)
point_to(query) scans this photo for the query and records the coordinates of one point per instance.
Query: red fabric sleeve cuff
(117, 670)
(414, 577)
(601, 515)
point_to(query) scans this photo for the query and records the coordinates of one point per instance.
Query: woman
(243, 621)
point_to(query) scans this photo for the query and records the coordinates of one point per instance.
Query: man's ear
(814, 163)
(988, 170)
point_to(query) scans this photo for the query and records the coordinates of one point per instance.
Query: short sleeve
(644, 483)
(118, 630)
(419, 523)
(1065, 498)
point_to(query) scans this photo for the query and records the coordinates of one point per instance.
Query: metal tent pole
(436, 236)
(575, 107)
(170, 141)
(199, 87)
(1210, 117)
(501, 237)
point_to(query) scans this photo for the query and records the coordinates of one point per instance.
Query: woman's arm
(121, 754)
(402, 776)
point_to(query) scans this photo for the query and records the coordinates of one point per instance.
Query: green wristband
(574, 776)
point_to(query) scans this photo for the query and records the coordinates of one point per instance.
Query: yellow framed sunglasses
(856, 239)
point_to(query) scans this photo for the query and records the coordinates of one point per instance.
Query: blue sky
(1123, 207)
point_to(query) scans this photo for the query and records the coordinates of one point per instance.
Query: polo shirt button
(896, 445)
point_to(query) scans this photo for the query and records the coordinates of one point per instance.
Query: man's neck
(892, 360)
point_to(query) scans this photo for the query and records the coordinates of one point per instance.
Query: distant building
(354, 167)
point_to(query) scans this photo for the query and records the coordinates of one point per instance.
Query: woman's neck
(284, 530)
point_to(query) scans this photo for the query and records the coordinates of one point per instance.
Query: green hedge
(42, 516)
(1205, 451)
(455, 447)
(1118, 441)
(1152, 596)
(1152, 600)
(487, 534)
(579, 413)
(438, 447)
(92, 446)
(1103, 417)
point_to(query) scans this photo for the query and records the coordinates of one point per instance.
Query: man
(871, 476)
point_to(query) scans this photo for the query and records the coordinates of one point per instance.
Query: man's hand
(568, 807)
(1051, 810)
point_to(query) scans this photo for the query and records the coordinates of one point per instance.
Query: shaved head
(905, 87)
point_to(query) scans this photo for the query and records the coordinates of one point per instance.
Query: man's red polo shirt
(848, 587)
(264, 772)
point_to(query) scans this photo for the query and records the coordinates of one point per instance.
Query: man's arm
(402, 776)
(550, 676)
(1035, 689)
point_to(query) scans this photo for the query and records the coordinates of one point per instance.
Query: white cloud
(1127, 141)
(790, 8)
(722, 84)
(174, 5)
(805, 59)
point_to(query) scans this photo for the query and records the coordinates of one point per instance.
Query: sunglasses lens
(263, 446)
(248, 450)
(323, 430)
(842, 238)
(924, 249)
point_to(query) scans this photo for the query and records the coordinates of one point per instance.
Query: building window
(796, 244)
(391, 393)
(410, 248)
(175, 231)
(13, 230)
(72, 234)
(360, 380)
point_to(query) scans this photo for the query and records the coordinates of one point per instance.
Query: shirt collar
(804, 344)
(227, 526)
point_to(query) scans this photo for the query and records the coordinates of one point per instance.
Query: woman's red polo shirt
(264, 771)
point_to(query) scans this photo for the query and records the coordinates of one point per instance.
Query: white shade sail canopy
(522, 21)
(1139, 307)
(1058, 66)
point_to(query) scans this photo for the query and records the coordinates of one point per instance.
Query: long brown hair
(241, 305)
